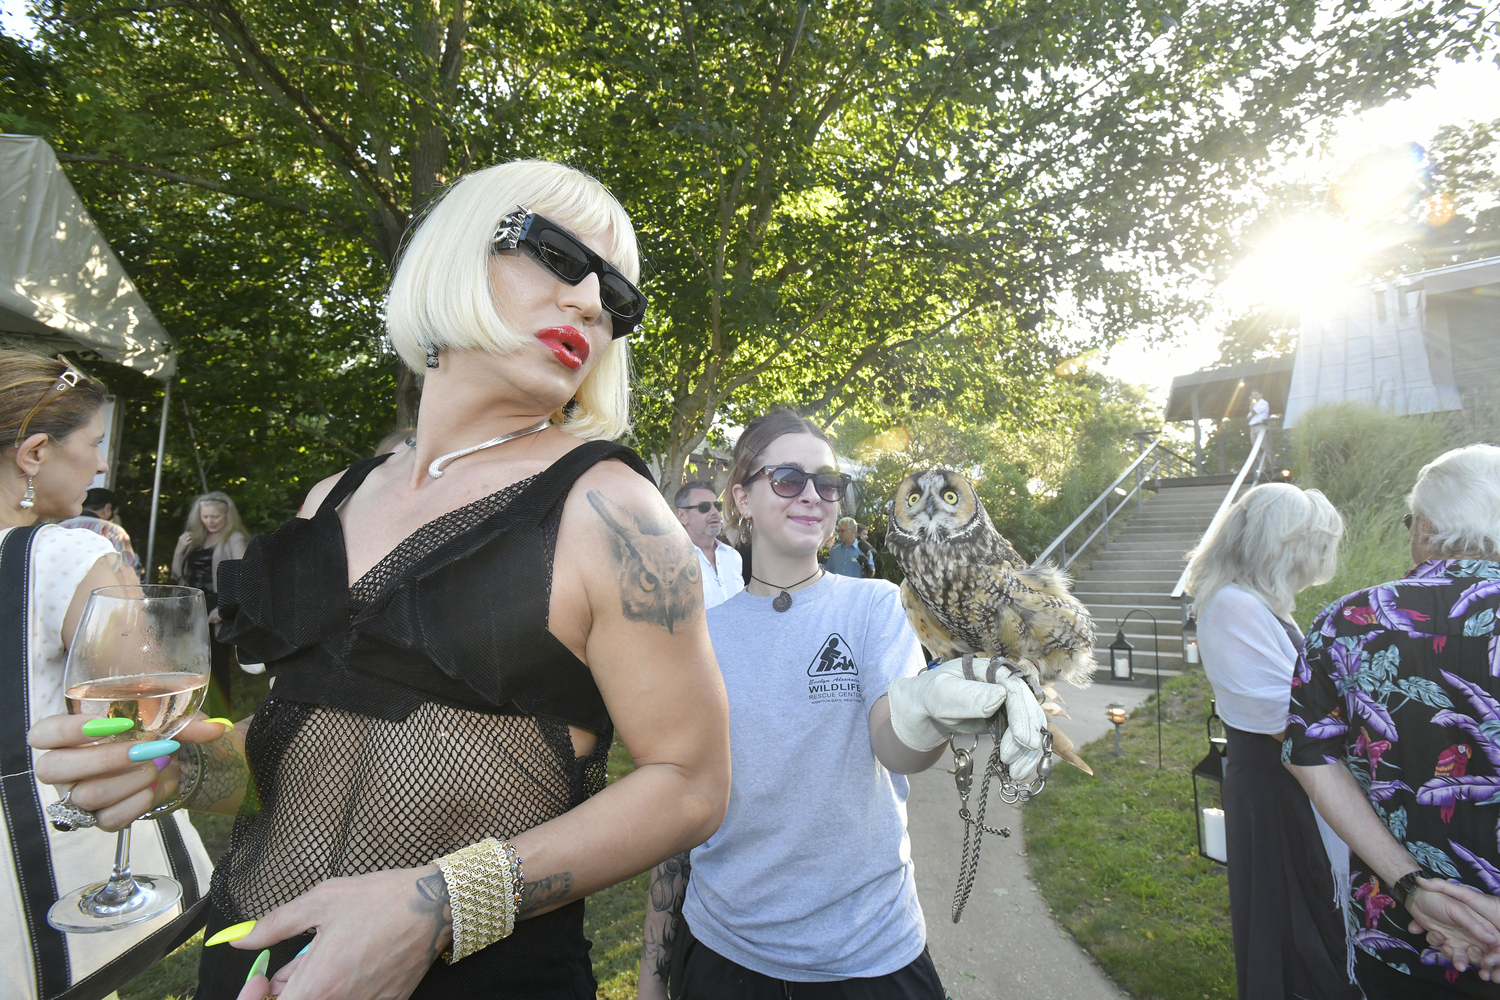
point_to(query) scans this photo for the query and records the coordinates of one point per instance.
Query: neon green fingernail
(107, 727)
(231, 933)
(260, 965)
(226, 723)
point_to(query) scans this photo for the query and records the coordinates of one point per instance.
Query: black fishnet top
(422, 709)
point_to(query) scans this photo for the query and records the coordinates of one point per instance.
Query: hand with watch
(1458, 919)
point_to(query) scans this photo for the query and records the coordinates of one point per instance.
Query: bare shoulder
(640, 555)
(318, 494)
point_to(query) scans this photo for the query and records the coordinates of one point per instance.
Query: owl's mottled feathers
(968, 591)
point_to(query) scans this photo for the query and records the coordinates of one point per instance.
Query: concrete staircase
(1139, 571)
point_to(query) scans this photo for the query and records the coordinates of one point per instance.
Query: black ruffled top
(465, 624)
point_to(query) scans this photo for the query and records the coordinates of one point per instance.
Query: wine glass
(140, 653)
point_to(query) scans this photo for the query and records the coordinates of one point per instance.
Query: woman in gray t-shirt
(809, 879)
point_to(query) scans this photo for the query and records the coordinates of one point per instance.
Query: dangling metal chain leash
(1011, 792)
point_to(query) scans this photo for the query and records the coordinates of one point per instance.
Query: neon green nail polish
(231, 933)
(260, 965)
(107, 727)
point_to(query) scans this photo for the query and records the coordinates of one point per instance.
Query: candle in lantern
(1214, 841)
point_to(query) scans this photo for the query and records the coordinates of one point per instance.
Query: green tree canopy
(847, 207)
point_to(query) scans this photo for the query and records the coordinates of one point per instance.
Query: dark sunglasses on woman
(703, 507)
(788, 481)
(560, 252)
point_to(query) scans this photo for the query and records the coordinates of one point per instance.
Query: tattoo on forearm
(225, 774)
(668, 890)
(669, 883)
(659, 578)
(432, 904)
(548, 889)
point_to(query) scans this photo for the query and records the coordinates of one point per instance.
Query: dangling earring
(28, 500)
(432, 361)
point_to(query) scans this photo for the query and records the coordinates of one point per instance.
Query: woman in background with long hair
(1283, 860)
(213, 533)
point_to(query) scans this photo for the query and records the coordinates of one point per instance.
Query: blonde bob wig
(1275, 541)
(440, 295)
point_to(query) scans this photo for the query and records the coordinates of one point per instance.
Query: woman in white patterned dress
(51, 423)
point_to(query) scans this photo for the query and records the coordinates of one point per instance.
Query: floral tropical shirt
(1402, 682)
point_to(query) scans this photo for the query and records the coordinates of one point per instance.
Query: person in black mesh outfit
(455, 631)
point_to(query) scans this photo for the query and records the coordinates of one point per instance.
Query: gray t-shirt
(810, 877)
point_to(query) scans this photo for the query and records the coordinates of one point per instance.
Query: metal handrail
(1260, 435)
(1163, 456)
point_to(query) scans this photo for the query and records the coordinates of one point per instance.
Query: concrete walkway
(1007, 947)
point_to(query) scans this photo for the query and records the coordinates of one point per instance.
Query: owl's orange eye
(950, 496)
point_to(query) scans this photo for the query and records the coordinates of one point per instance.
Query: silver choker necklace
(435, 470)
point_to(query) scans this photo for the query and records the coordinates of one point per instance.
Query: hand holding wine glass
(136, 673)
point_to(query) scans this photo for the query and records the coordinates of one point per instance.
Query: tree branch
(215, 186)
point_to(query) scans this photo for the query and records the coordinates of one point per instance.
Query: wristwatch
(1408, 882)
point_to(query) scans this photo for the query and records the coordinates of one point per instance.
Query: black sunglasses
(702, 508)
(1406, 519)
(789, 481)
(553, 247)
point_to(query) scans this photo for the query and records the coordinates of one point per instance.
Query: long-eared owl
(968, 591)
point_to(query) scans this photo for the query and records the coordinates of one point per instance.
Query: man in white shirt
(1260, 410)
(699, 509)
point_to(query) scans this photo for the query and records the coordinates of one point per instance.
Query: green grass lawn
(1116, 856)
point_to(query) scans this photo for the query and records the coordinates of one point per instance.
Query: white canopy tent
(62, 287)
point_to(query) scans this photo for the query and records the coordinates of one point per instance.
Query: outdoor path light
(1190, 641)
(1122, 664)
(1115, 713)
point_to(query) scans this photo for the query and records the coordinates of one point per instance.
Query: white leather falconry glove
(1025, 719)
(1021, 743)
(928, 709)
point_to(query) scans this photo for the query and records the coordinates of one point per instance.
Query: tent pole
(161, 446)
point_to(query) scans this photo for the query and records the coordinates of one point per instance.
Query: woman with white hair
(456, 631)
(1288, 928)
(213, 533)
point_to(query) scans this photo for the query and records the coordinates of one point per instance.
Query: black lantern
(1208, 793)
(1115, 713)
(1190, 641)
(1121, 658)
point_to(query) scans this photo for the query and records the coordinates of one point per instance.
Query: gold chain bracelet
(484, 891)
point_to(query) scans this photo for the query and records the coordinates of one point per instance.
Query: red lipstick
(567, 345)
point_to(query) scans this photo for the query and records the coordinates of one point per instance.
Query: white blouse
(1248, 659)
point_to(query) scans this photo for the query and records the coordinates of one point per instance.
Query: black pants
(1381, 982)
(711, 976)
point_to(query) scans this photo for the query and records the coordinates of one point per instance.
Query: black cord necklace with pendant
(783, 600)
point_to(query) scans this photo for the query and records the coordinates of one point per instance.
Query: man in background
(699, 511)
(844, 556)
(1260, 411)
(99, 509)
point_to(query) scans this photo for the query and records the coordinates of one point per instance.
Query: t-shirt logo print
(833, 674)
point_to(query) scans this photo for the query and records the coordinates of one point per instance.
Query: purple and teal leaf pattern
(1389, 698)
(1488, 873)
(1372, 941)
(1483, 703)
(1476, 593)
(1376, 713)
